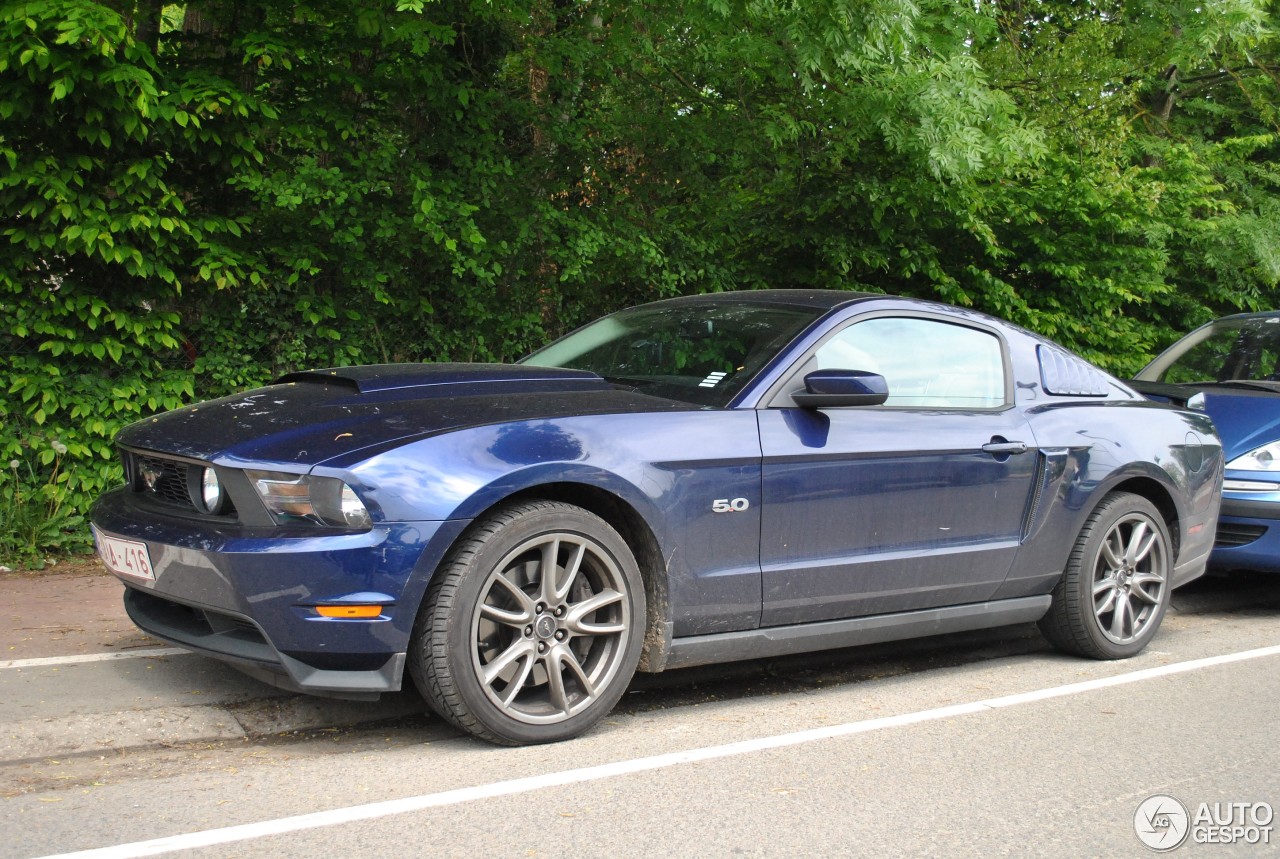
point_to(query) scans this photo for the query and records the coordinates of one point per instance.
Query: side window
(927, 363)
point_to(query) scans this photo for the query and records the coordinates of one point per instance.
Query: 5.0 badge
(729, 505)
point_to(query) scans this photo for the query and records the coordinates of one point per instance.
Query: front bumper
(247, 596)
(1248, 536)
(236, 639)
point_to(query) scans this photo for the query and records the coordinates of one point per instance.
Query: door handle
(1004, 448)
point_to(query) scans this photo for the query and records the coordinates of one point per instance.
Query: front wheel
(1115, 590)
(532, 628)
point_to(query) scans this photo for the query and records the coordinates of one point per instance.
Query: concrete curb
(37, 739)
(97, 733)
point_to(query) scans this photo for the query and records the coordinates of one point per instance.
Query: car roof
(825, 299)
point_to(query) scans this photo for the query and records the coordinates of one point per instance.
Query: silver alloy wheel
(550, 629)
(1130, 575)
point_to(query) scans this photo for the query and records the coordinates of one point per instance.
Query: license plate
(124, 557)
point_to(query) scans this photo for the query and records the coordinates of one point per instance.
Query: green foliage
(1155, 209)
(195, 199)
(103, 228)
(38, 503)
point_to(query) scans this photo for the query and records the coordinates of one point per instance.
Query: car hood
(1245, 419)
(310, 417)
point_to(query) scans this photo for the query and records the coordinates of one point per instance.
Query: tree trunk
(147, 15)
(1162, 100)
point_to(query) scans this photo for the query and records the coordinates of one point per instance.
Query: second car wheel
(532, 628)
(1115, 590)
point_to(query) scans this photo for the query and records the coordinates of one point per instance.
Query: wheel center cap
(545, 626)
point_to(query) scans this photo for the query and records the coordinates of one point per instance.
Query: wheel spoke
(1140, 582)
(520, 648)
(521, 598)
(585, 628)
(565, 656)
(1106, 605)
(576, 620)
(1141, 540)
(548, 570)
(517, 683)
(1109, 551)
(1119, 617)
(570, 574)
(555, 681)
(505, 617)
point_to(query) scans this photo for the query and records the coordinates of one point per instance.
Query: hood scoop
(411, 379)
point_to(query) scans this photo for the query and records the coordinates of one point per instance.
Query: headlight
(1265, 458)
(206, 491)
(292, 498)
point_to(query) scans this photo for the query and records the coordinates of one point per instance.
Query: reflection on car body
(696, 480)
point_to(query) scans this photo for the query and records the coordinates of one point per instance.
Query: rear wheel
(1115, 590)
(532, 628)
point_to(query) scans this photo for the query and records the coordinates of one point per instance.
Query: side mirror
(833, 388)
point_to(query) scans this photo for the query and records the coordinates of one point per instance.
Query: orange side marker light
(349, 611)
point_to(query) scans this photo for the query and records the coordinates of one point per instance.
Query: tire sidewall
(1112, 512)
(459, 648)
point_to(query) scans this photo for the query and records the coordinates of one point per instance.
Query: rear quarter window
(1066, 375)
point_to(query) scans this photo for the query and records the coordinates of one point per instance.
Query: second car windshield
(698, 352)
(1228, 350)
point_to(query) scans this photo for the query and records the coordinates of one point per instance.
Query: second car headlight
(308, 498)
(1265, 458)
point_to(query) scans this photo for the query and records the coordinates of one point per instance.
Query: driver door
(880, 509)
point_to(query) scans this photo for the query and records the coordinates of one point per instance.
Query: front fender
(670, 468)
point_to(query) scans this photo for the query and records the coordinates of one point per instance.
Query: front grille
(163, 479)
(167, 482)
(1230, 536)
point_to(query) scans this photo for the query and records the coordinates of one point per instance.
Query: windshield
(1241, 349)
(697, 352)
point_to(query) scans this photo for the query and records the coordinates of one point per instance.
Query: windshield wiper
(628, 382)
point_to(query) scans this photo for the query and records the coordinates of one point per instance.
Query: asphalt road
(976, 744)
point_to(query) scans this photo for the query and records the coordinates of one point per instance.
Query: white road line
(46, 661)
(339, 816)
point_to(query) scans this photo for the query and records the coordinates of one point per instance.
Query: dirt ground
(71, 608)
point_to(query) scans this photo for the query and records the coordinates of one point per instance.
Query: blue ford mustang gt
(698, 480)
(1230, 368)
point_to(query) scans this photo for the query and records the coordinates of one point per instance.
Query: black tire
(1115, 590)
(514, 657)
